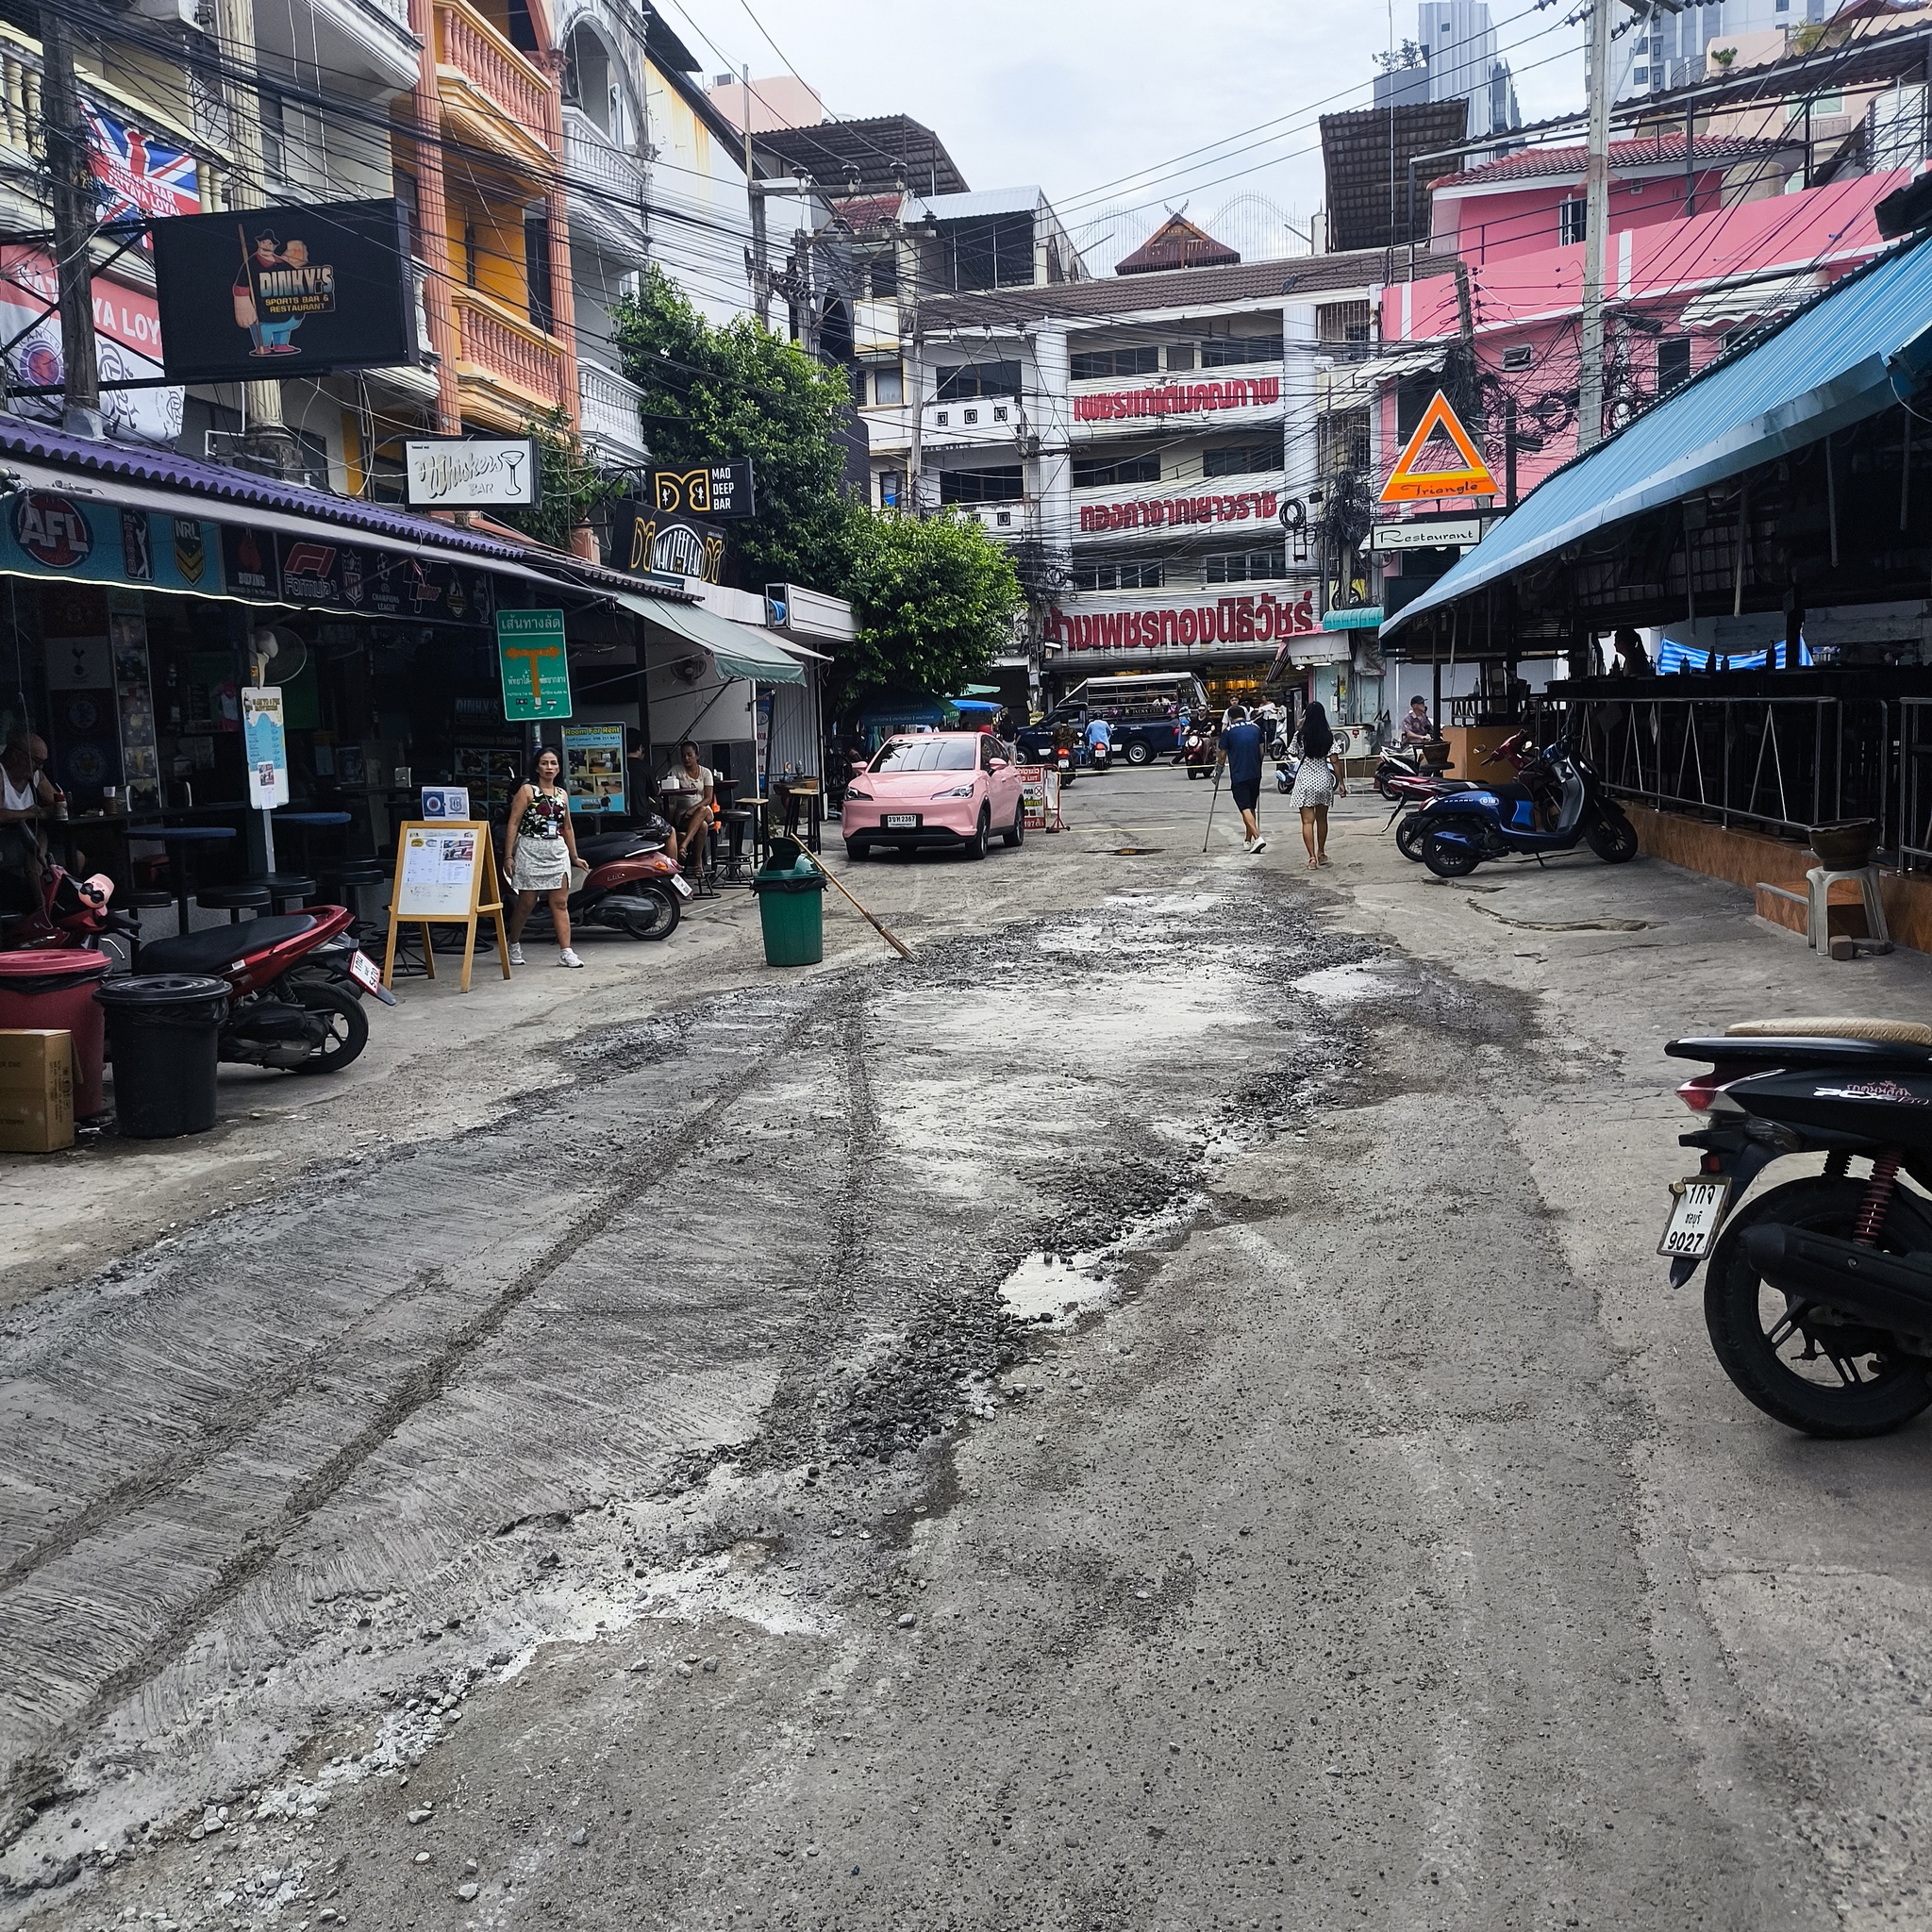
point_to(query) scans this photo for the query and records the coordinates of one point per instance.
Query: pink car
(941, 789)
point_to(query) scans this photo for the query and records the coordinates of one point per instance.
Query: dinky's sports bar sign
(1178, 399)
(1259, 619)
(1172, 512)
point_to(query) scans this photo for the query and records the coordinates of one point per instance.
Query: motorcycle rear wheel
(1449, 858)
(1856, 1381)
(348, 1024)
(1613, 839)
(1409, 834)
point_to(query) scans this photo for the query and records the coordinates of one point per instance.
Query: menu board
(439, 871)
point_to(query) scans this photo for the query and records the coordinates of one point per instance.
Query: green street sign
(536, 674)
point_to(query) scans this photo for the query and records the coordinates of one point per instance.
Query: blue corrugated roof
(1824, 369)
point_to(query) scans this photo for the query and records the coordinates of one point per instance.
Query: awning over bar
(735, 649)
(1830, 365)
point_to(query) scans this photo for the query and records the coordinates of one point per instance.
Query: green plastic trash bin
(792, 914)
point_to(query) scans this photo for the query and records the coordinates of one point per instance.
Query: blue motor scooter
(1464, 829)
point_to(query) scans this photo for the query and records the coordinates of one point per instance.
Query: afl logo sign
(52, 530)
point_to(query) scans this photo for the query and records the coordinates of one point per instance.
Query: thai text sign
(1172, 510)
(536, 674)
(1259, 619)
(1178, 399)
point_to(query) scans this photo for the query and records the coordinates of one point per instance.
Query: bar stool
(343, 878)
(735, 821)
(286, 890)
(1820, 879)
(235, 899)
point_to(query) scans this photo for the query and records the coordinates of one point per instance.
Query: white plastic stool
(1817, 920)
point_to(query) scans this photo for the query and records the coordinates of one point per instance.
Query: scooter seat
(215, 948)
(1889, 1032)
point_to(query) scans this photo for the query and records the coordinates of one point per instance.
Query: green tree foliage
(572, 488)
(936, 601)
(716, 393)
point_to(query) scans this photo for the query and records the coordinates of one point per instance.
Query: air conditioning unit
(181, 12)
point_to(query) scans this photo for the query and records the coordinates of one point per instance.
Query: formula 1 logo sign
(52, 530)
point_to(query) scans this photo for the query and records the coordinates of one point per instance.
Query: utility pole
(74, 208)
(1596, 220)
(755, 196)
(268, 438)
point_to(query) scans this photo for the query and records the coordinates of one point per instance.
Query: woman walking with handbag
(541, 853)
(1316, 781)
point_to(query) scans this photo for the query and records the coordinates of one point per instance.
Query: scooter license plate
(364, 970)
(1697, 1210)
(682, 884)
(900, 820)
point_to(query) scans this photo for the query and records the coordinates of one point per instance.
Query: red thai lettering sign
(1167, 512)
(1260, 619)
(1178, 399)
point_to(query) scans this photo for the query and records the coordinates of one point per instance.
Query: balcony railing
(612, 202)
(609, 406)
(470, 48)
(497, 346)
(21, 123)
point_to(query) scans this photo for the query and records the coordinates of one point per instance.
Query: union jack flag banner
(140, 172)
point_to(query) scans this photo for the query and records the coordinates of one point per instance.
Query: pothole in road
(1346, 985)
(1053, 1287)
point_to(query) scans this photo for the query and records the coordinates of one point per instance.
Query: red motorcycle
(295, 985)
(635, 886)
(72, 912)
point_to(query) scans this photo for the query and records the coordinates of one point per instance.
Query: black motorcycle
(1818, 1294)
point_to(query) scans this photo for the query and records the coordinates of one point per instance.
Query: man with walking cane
(1240, 751)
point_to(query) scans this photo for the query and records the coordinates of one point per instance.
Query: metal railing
(1775, 764)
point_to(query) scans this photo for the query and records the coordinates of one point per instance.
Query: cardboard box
(36, 1091)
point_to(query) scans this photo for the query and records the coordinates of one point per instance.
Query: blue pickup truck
(1148, 711)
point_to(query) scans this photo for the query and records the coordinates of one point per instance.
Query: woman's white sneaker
(516, 954)
(568, 958)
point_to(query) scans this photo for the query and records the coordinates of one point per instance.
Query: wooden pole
(891, 938)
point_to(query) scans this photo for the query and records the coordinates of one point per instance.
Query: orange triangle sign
(1465, 475)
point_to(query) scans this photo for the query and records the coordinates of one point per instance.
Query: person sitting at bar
(689, 794)
(1418, 727)
(27, 797)
(1633, 661)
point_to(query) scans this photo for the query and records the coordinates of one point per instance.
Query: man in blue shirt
(1099, 732)
(1240, 752)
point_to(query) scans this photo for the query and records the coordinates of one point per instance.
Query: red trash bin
(55, 989)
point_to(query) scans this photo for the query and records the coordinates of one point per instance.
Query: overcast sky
(1075, 94)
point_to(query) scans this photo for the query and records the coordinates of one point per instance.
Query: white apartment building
(1147, 443)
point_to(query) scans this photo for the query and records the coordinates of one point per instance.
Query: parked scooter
(634, 885)
(1816, 1294)
(295, 987)
(1409, 792)
(1461, 829)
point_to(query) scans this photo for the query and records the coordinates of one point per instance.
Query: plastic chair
(1820, 879)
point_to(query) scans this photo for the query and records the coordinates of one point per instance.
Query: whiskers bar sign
(284, 291)
(473, 473)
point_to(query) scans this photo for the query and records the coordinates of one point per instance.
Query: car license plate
(364, 970)
(1696, 1209)
(900, 820)
(683, 885)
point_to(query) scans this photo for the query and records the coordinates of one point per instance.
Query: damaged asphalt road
(668, 1507)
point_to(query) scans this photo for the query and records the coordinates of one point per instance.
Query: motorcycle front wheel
(348, 1024)
(1803, 1366)
(1449, 858)
(1613, 838)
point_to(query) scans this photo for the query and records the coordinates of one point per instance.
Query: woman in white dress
(542, 847)
(1318, 781)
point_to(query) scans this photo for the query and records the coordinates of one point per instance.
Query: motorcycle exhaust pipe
(1893, 1291)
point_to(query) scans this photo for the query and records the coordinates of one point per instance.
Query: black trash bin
(164, 1033)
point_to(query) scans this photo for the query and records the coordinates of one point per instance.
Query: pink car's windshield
(929, 754)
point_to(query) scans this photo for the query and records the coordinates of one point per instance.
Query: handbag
(578, 874)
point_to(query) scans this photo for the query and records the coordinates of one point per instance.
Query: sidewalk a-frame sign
(1454, 467)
